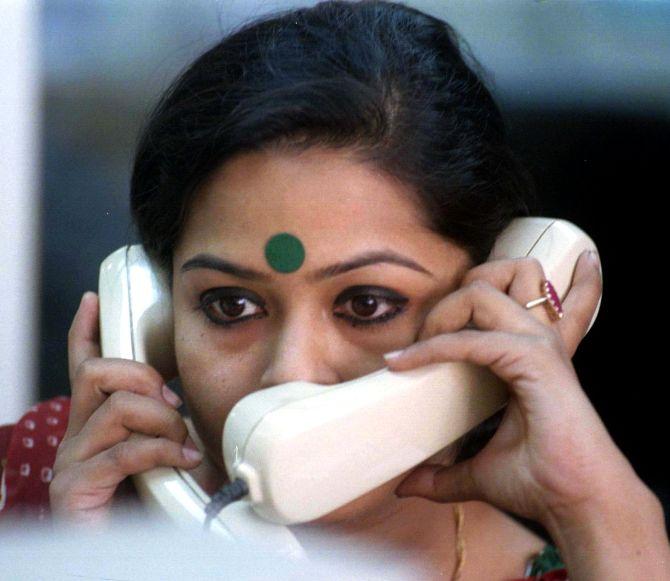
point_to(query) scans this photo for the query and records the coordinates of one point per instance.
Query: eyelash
(212, 296)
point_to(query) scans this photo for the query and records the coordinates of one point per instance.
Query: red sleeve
(5, 435)
(555, 575)
(28, 451)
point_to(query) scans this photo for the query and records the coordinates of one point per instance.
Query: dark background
(585, 88)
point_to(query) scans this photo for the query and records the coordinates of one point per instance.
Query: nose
(301, 350)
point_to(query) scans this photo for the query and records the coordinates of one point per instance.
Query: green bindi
(284, 252)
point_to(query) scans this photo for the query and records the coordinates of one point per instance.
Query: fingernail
(593, 257)
(171, 397)
(190, 454)
(393, 354)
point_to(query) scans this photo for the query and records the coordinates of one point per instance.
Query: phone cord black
(224, 496)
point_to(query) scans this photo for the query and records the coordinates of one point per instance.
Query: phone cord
(224, 496)
(459, 517)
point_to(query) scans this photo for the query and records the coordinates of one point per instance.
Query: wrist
(619, 533)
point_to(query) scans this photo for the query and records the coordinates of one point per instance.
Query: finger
(454, 483)
(124, 413)
(581, 301)
(84, 334)
(482, 304)
(109, 468)
(519, 278)
(519, 360)
(97, 379)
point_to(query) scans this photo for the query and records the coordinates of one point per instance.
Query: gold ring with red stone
(550, 298)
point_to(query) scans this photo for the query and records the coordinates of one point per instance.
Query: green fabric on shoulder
(545, 561)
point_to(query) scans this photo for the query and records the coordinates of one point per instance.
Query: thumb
(441, 483)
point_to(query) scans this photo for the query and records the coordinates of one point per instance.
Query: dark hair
(382, 80)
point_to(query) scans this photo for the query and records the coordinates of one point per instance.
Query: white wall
(19, 184)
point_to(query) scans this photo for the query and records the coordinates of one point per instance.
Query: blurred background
(584, 86)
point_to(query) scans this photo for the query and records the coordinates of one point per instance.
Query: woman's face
(327, 322)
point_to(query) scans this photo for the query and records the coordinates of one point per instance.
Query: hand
(112, 399)
(551, 448)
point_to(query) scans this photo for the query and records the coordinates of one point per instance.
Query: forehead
(324, 197)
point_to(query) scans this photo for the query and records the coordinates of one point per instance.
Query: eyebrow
(208, 261)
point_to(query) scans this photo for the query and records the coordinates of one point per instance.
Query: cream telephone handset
(304, 449)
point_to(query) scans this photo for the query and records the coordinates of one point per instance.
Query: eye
(231, 305)
(370, 305)
(367, 305)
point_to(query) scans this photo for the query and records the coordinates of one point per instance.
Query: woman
(357, 130)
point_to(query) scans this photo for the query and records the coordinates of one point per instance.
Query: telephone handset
(305, 449)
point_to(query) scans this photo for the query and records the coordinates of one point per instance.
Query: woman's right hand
(112, 400)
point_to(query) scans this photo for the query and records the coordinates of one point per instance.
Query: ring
(550, 298)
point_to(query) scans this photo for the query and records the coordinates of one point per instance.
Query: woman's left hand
(551, 449)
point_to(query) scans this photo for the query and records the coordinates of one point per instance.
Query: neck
(412, 532)
(418, 533)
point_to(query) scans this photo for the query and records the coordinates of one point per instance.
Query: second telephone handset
(304, 449)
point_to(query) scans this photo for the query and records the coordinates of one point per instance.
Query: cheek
(204, 387)
(209, 370)
(197, 366)
(213, 380)
(205, 366)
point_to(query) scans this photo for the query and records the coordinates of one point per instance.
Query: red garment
(28, 452)
(555, 575)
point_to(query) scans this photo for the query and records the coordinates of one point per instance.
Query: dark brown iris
(364, 306)
(232, 306)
